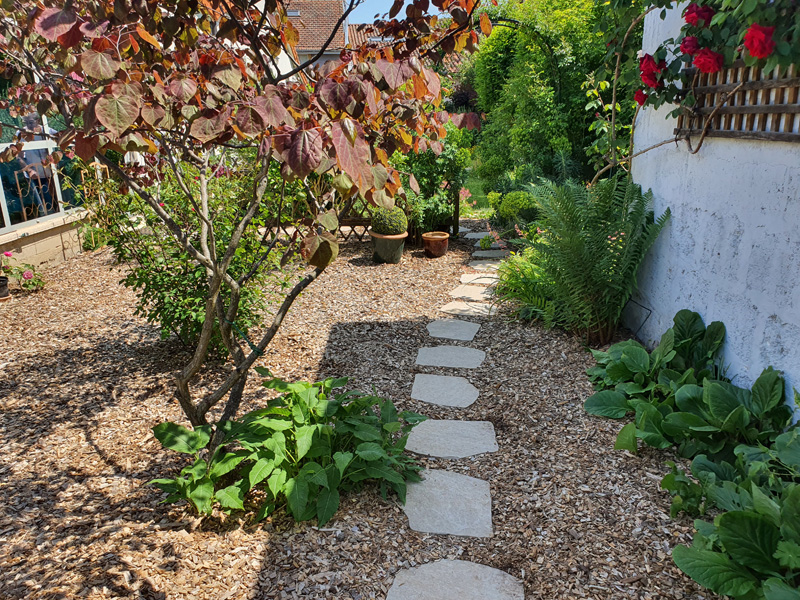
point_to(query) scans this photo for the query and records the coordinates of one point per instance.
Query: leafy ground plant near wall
(300, 451)
(580, 271)
(747, 457)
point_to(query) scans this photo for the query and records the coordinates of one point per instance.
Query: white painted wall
(731, 250)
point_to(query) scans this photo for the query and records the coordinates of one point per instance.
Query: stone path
(455, 580)
(456, 357)
(468, 309)
(478, 235)
(452, 439)
(444, 390)
(453, 329)
(446, 502)
(472, 292)
(480, 278)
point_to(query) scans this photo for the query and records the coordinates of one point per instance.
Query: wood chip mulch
(83, 381)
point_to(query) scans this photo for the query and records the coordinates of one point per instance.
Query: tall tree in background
(529, 75)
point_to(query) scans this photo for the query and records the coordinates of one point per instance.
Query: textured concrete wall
(731, 251)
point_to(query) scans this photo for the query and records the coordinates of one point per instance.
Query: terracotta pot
(388, 248)
(435, 243)
(4, 293)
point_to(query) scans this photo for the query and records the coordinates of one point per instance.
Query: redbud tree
(180, 81)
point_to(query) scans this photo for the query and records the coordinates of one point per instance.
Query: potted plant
(388, 232)
(435, 243)
(5, 294)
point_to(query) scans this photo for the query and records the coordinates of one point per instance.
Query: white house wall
(731, 250)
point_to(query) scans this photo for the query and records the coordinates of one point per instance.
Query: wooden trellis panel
(756, 105)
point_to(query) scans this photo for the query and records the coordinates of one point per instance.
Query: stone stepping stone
(472, 292)
(456, 357)
(495, 245)
(480, 278)
(452, 439)
(484, 265)
(453, 329)
(496, 254)
(449, 503)
(477, 235)
(455, 580)
(444, 390)
(468, 309)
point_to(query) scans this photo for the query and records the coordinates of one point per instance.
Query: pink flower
(27, 275)
(161, 204)
(9, 254)
(465, 194)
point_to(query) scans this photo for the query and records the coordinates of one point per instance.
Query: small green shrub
(518, 206)
(299, 452)
(495, 198)
(389, 221)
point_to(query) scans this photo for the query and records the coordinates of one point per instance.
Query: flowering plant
(28, 278)
(715, 34)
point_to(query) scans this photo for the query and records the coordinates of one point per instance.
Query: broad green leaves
(178, 438)
(607, 403)
(301, 450)
(714, 570)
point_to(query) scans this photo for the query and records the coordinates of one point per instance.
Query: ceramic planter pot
(388, 248)
(5, 294)
(435, 243)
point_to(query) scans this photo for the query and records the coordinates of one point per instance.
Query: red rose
(758, 41)
(694, 14)
(690, 45)
(708, 61)
(640, 97)
(650, 70)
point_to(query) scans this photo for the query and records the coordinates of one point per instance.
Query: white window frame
(51, 146)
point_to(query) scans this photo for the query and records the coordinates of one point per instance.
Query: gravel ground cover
(82, 381)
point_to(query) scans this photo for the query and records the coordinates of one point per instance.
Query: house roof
(362, 33)
(315, 20)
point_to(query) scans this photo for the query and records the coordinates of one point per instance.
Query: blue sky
(366, 11)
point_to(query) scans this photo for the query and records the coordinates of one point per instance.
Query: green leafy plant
(27, 276)
(518, 207)
(301, 451)
(687, 495)
(389, 221)
(581, 270)
(486, 242)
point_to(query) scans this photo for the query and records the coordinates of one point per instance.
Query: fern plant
(580, 270)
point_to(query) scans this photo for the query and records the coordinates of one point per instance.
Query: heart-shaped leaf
(320, 250)
(99, 65)
(54, 22)
(183, 89)
(305, 151)
(117, 114)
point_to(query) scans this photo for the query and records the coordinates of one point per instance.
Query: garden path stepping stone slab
(449, 503)
(478, 235)
(480, 278)
(456, 357)
(444, 390)
(468, 309)
(452, 439)
(484, 265)
(472, 292)
(455, 580)
(495, 245)
(490, 254)
(453, 329)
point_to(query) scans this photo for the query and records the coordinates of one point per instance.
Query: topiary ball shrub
(389, 221)
(518, 206)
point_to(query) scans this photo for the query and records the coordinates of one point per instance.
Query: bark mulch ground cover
(82, 381)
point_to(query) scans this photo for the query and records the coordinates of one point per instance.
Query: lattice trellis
(755, 105)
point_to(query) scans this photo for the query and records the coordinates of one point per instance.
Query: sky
(365, 13)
